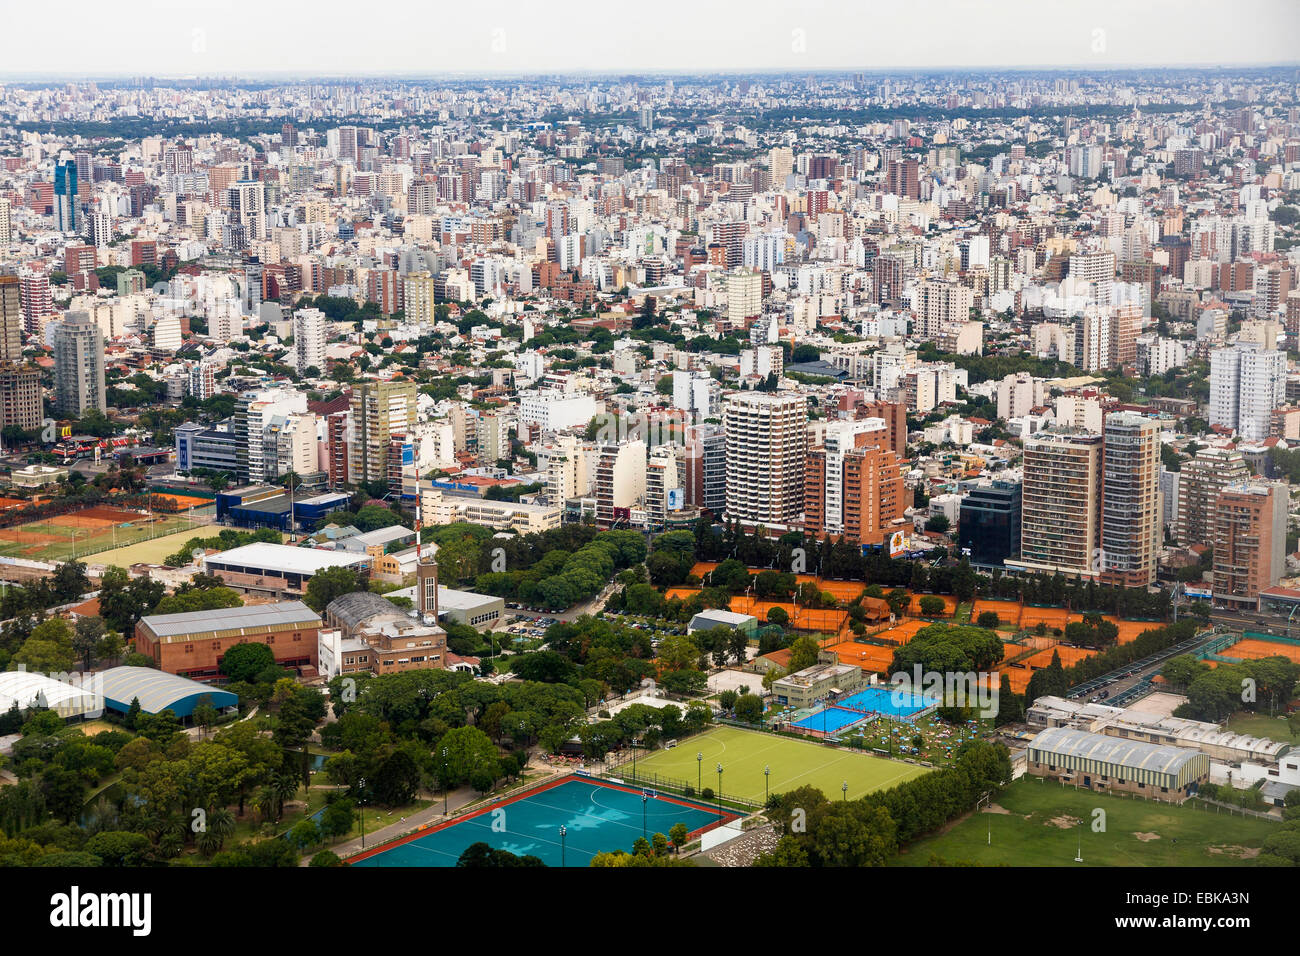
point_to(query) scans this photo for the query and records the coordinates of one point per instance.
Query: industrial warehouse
(1102, 763)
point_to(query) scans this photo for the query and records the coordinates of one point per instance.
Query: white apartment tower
(767, 452)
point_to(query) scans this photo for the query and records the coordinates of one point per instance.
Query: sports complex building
(89, 695)
(278, 570)
(192, 643)
(1110, 764)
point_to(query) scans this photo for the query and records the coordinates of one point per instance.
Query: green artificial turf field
(794, 763)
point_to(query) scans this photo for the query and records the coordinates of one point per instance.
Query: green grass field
(1260, 725)
(1044, 824)
(794, 763)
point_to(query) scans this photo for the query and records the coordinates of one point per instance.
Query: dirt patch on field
(997, 808)
(1240, 852)
(1064, 822)
(98, 516)
(1147, 837)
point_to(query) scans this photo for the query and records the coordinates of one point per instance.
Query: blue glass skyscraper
(65, 196)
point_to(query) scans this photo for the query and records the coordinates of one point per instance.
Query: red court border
(727, 817)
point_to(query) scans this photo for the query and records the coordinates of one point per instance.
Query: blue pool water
(900, 703)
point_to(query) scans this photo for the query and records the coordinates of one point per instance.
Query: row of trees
(1055, 680)
(1215, 693)
(843, 560)
(870, 831)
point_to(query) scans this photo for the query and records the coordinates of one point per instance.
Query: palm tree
(267, 801)
(286, 786)
(170, 846)
(222, 823)
(209, 843)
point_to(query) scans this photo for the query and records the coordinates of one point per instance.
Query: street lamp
(564, 831)
(719, 791)
(767, 771)
(844, 789)
(361, 811)
(645, 799)
(444, 781)
(699, 769)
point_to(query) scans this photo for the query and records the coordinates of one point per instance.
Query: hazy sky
(206, 37)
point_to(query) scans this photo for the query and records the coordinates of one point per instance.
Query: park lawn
(1026, 835)
(794, 763)
(940, 739)
(1260, 725)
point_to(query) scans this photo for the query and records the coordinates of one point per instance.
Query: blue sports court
(597, 816)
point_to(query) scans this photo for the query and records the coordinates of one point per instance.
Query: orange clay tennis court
(828, 620)
(902, 632)
(842, 590)
(185, 501)
(1049, 617)
(1008, 612)
(870, 657)
(1129, 630)
(1069, 656)
(1252, 648)
(1017, 677)
(949, 603)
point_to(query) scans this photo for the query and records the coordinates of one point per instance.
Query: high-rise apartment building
(36, 299)
(11, 319)
(256, 415)
(705, 467)
(1199, 483)
(1094, 273)
(380, 410)
(903, 178)
(663, 492)
(620, 481)
(1247, 382)
(309, 328)
(418, 298)
(20, 396)
(247, 200)
(767, 452)
(940, 304)
(1130, 500)
(1249, 541)
(744, 297)
(78, 365)
(853, 483)
(1060, 518)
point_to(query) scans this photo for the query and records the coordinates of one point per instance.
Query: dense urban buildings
(455, 430)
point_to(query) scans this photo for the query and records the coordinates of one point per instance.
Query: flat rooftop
(282, 557)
